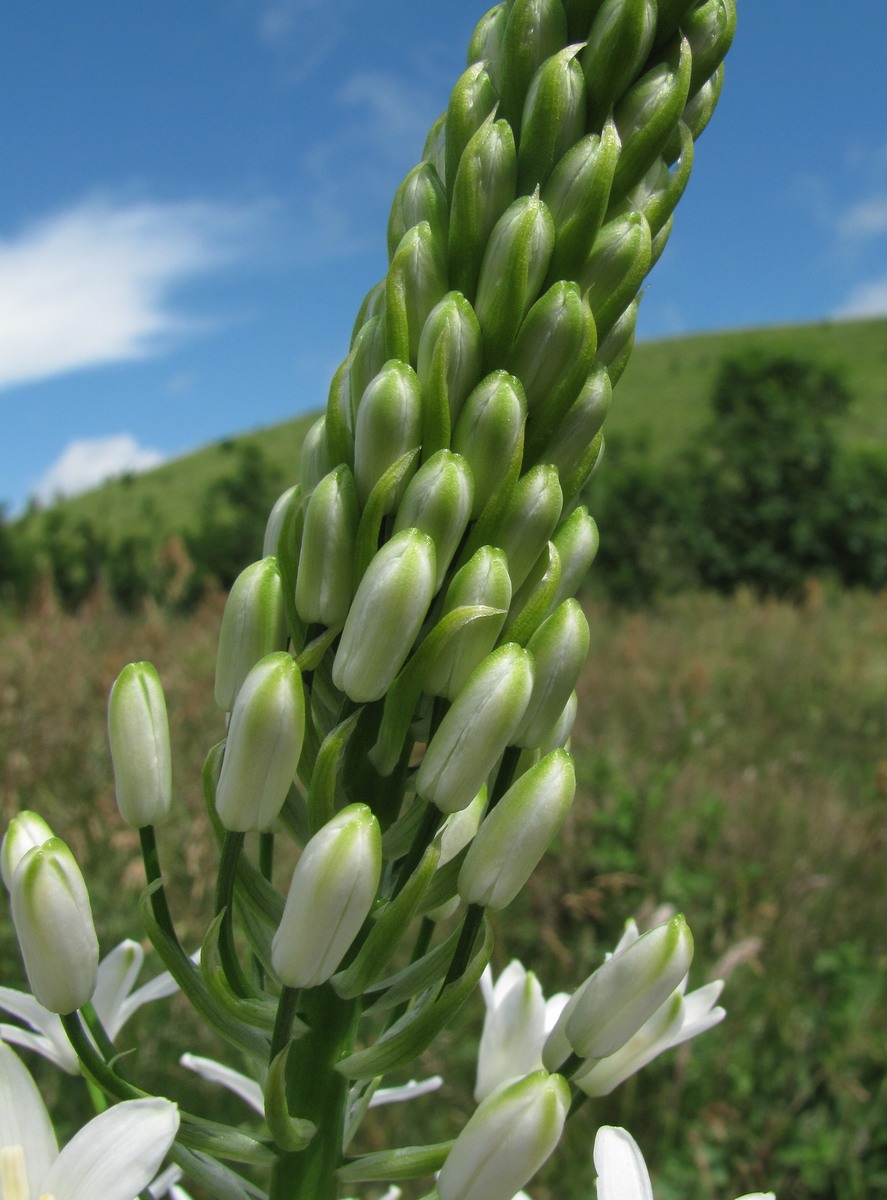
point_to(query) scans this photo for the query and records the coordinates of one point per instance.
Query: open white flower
(621, 1170)
(517, 1021)
(113, 1000)
(115, 1156)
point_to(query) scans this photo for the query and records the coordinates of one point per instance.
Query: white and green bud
(622, 994)
(388, 425)
(416, 280)
(552, 356)
(529, 520)
(699, 108)
(386, 614)
(330, 896)
(138, 730)
(478, 726)
(514, 265)
(489, 432)
(559, 734)
(435, 149)
(514, 836)
(325, 579)
(421, 197)
(367, 358)
(658, 193)
(372, 305)
(577, 195)
(263, 746)
(534, 600)
(471, 102)
(508, 1138)
(314, 460)
(671, 14)
(648, 114)
(577, 540)
(616, 268)
(567, 448)
(617, 46)
(54, 927)
(553, 117)
(487, 41)
(559, 648)
(659, 242)
(253, 625)
(709, 29)
(534, 31)
(438, 501)
(484, 580)
(614, 350)
(448, 366)
(485, 185)
(288, 500)
(24, 832)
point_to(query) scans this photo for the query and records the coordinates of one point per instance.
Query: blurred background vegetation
(731, 748)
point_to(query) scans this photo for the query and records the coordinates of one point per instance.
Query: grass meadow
(732, 758)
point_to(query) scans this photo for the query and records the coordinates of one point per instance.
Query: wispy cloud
(93, 284)
(864, 220)
(87, 462)
(865, 300)
(301, 34)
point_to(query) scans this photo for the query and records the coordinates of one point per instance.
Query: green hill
(663, 393)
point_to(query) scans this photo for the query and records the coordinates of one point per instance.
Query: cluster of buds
(399, 669)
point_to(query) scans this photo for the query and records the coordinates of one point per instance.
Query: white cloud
(92, 284)
(867, 219)
(865, 300)
(87, 462)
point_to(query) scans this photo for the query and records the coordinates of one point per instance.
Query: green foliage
(764, 495)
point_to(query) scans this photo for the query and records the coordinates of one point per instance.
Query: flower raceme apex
(138, 731)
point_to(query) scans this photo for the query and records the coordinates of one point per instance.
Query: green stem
(283, 1024)
(225, 904)
(95, 1066)
(578, 1100)
(505, 775)
(151, 859)
(421, 841)
(316, 1091)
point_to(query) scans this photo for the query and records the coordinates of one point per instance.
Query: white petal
(622, 1172)
(215, 1072)
(116, 1155)
(407, 1091)
(700, 1002)
(24, 1120)
(53, 1044)
(116, 975)
(63, 1058)
(158, 988)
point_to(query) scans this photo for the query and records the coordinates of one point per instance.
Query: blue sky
(194, 202)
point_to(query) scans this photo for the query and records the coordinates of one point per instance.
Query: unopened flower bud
(617, 45)
(577, 194)
(709, 29)
(529, 520)
(553, 352)
(614, 350)
(511, 1134)
(534, 31)
(514, 836)
(314, 461)
(330, 896)
(475, 731)
(559, 648)
(485, 185)
(388, 425)
(489, 432)
(559, 734)
(438, 501)
(483, 580)
(513, 268)
(448, 367)
(671, 14)
(253, 625)
(288, 500)
(699, 109)
(648, 113)
(53, 923)
(577, 541)
(387, 612)
(263, 746)
(435, 149)
(138, 730)
(553, 117)
(471, 102)
(567, 448)
(324, 583)
(486, 41)
(421, 197)
(25, 831)
(416, 280)
(616, 267)
(623, 993)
